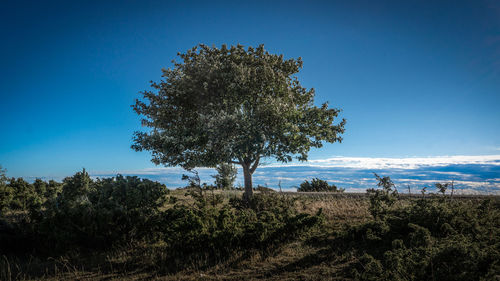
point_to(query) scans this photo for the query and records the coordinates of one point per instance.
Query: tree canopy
(232, 105)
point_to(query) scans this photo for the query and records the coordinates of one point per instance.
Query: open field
(136, 260)
(403, 195)
(312, 255)
(131, 262)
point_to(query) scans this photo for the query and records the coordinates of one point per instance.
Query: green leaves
(232, 104)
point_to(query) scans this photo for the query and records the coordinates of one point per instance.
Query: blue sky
(414, 78)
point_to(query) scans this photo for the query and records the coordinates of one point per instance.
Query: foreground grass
(310, 257)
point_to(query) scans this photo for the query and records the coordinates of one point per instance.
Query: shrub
(264, 189)
(426, 239)
(52, 190)
(102, 213)
(204, 236)
(24, 194)
(382, 199)
(317, 185)
(6, 192)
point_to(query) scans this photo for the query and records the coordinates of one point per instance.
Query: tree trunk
(247, 174)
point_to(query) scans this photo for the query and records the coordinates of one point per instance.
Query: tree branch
(241, 162)
(255, 164)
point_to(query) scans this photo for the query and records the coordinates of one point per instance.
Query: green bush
(426, 239)
(102, 213)
(25, 196)
(383, 199)
(87, 214)
(52, 190)
(317, 185)
(204, 236)
(264, 189)
(6, 192)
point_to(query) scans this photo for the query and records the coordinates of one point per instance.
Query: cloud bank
(471, 174)
(399, 163)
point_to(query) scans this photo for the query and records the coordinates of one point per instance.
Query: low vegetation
(318, 185)
(126, 228)
(425, 239)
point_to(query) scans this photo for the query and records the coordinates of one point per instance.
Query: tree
(232, 105)
(226, 175)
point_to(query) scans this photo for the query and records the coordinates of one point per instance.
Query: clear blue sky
(414, 78)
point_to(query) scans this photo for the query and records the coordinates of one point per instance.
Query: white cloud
(408, 163)
(395, 163)
(452, 174)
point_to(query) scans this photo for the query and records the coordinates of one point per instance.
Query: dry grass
(336, 208)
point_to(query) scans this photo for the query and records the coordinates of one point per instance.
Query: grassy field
(315, 256)
(135, 261)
